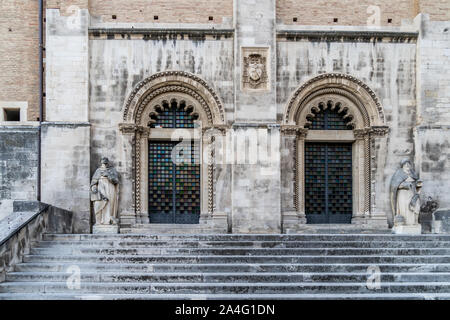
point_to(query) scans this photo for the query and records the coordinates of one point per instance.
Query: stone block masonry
(432, 134)
(18, 165)
(67, 71)
(66, 139)
(255, 185)
(65, 170)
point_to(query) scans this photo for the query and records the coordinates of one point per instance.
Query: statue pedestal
(412, 229)
(104, 228)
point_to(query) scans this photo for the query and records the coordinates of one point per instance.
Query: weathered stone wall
(67, 70)
(66, 139)
(116, 66)
(19, 25)
(433, 95)
(255, 172)
(18, 165)
(388, 68)
(65, 170)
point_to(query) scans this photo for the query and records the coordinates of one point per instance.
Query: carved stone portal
(255, 73)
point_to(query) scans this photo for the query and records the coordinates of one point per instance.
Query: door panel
(174, 188)
(328, 182)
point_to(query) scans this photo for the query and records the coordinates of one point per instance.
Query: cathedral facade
(232, 116)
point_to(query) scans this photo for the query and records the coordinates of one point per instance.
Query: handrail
(17, 230)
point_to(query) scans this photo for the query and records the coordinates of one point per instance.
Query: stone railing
(19, 231)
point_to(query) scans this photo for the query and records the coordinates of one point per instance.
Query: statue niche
(105, 197)
(405, 200)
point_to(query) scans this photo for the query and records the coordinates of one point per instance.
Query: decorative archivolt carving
(173, 81)
(336, 84)
(174, 92)
(147, 100)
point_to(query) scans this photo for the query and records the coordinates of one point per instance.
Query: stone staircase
(231, 266)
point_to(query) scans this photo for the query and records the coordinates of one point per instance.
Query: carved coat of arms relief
(254, 75)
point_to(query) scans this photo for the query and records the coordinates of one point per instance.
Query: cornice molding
(348, 35)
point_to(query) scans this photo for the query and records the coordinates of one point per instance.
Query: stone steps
(225, 288)
(242, 244)
(162, 228)
(230, 266)
(241, 251)
(270, 296)
(221, 277)
(375, 259)
(247, 237)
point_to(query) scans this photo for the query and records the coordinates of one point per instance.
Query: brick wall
(65, 5)
(173, 11)
(19, 56)
(439, 10)
(348, 12)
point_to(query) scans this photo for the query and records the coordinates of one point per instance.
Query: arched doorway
(168, 119)
(332, 120)
(173, 165)
(328, 166)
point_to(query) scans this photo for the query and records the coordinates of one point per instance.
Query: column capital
(293, 130)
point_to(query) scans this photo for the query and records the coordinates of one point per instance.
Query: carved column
(295, 214)
(127, 203)
(142, 134)
(212, 161)
(207, 169)
(361, 176)
(131, 189)
(378, 135)
(363, 184)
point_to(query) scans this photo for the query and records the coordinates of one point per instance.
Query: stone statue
(105, 194)
(405, 201)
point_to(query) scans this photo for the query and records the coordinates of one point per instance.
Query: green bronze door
(173, 186)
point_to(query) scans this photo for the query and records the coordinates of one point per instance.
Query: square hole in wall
(114, 17)
(11, 114)
(335, 20)
(211, 18)
(389, 20)
(155, 17)
(294, 19)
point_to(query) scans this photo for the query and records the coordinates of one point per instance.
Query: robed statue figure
(105, 193)
(404, 195)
